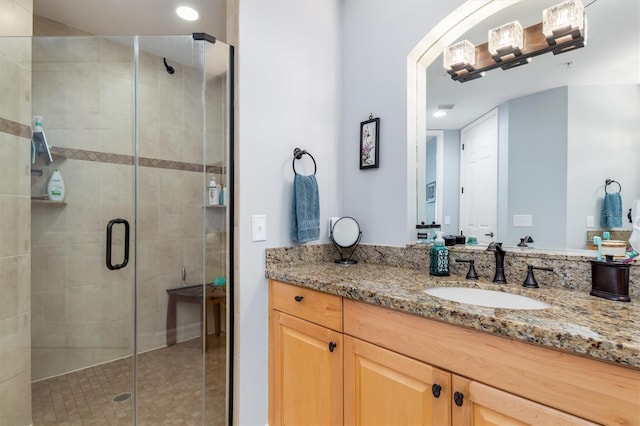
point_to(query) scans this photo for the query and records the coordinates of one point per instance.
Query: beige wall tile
(48, 328)
(15, 85)
(15, 172)
(84, 263)
(149, 221)
(15, 230)
(116, 183)
(193, 187)
(82, 306)
(48, 267)
(16, 18)
(193, 220)
(170, 220)
(15, 342)
(116, 300)
(47, 362)
(15, 400)
(15, 299)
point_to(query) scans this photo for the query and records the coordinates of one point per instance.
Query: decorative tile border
(15, 128)
(105, 157)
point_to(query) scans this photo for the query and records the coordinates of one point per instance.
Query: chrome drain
(123, 396)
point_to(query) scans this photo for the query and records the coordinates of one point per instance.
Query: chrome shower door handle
(125, 261)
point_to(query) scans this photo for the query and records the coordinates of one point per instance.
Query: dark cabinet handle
(436, 389)
(332, 346)
(112, 222)
(458, 398)
(299, 298)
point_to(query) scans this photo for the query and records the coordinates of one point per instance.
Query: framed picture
(431, 192)
(369, 143)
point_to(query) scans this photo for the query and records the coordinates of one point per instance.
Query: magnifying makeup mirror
(345, 235)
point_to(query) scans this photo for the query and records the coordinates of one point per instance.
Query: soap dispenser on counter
(610, 279)
(439, 257)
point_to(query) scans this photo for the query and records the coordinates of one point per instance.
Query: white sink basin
(488, 298)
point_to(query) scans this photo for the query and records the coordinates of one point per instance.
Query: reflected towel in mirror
(611, 211)
(305, 209)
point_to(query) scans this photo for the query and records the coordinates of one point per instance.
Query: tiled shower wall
(15, 247)
(82, 312)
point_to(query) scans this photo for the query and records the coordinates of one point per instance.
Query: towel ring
(297, 154)
(609, 182)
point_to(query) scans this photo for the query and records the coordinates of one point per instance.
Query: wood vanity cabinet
(382, 387)
(305, 356)
(384, 369)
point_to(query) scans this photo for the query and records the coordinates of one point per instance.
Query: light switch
(259, 227)
(447, 220)
(590, 222)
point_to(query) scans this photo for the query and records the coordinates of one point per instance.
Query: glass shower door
(83, 311)
(138, 127)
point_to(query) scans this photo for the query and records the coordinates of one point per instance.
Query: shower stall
(131, 274)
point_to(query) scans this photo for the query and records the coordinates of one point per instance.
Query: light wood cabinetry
(482, 405)
(382, 387)
(392, 360)
(305, 357)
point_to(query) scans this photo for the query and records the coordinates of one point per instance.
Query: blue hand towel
(611, 211)
(305, 211)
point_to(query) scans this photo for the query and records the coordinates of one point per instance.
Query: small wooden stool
(193, 294)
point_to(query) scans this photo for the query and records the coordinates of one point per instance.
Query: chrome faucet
(496, 248)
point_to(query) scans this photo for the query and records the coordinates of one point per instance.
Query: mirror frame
(421, 56)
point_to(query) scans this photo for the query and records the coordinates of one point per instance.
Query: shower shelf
(48, 202)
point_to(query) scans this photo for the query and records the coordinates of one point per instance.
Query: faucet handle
(471, 275)
(530, 281)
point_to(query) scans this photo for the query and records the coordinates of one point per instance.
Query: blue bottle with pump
(439, 257)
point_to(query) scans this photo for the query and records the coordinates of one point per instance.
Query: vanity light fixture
(563, 21)
(563, 29)
(460, 56)
(187, 13)
(506, 41)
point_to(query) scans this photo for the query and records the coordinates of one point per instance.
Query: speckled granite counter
(576, 322)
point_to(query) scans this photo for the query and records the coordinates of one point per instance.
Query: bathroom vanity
(364, 344)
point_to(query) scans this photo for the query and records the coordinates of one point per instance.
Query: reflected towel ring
(297, 154)
(609, 182)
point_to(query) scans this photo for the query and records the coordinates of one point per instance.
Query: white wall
(289, 65)
(603, 137)
(377, 37)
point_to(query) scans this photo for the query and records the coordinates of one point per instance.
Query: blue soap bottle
(439, 257)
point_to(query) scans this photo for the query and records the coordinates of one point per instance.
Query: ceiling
(611, 56)
(129, 17)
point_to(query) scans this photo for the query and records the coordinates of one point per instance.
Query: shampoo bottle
(439, 257)
(214, 193)
(55, 188)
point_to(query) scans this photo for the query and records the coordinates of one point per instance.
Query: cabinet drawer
(320, 308)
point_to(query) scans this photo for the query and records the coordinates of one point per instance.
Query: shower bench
(216, 295)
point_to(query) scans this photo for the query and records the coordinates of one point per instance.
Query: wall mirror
(565, 123)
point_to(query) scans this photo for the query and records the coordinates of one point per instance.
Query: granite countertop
(576, 322)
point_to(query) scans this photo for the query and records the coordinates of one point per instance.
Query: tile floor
(170, 390)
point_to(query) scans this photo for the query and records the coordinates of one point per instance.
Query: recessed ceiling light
(440, 113)
(187, 13)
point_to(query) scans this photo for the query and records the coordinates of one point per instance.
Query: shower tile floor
(169, 390)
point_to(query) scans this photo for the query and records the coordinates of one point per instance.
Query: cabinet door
(481, 405)
(306, 372)
(385, 388)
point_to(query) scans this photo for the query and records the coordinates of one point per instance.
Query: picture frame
(370, 143)
(431, 192)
